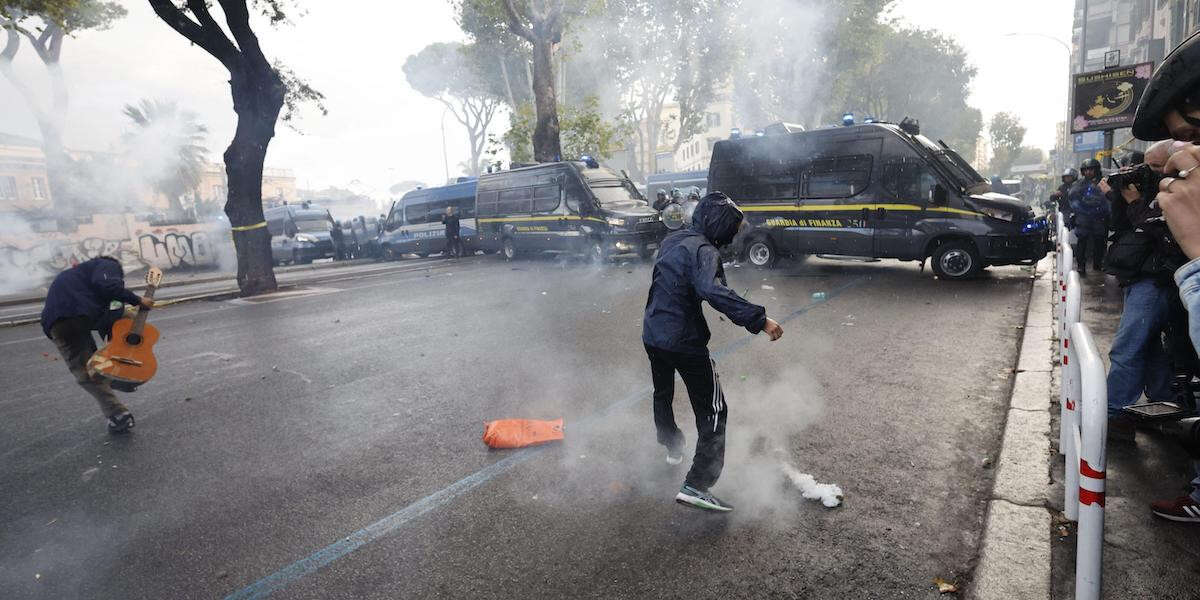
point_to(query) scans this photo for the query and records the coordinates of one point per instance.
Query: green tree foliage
(172, 144)
(920, 74)
(584, 132)
(1007, 134)
(458, 77)
(664, 50)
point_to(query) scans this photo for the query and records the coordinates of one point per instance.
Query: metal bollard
(1068, 386)
(1092, 434)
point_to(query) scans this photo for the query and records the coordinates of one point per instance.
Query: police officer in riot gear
(1069, 176)
(1089, 217)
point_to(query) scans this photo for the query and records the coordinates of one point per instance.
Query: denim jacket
(1187, 278)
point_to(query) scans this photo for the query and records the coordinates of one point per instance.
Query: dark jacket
(1142, 246)
(688, 270)
(86, 290)
(1089, 208)
(452, 225)
(1060, 197)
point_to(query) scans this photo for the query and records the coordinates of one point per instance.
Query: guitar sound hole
(133, 339)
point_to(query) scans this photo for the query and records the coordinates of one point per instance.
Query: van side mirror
(937, 195)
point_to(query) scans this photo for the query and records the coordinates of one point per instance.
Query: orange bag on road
(518, 433)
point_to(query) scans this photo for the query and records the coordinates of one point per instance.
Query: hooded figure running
(676, 335)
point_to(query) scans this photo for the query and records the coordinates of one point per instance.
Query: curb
(1014, 557)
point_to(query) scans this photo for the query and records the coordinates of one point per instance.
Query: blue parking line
(310, 564)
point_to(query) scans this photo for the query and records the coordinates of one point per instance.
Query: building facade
(24, 186)
(1133, 31)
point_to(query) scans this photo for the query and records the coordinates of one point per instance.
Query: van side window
(545, 198)
(464, 207)
(487, 204)
(275, 227)
(908, 181)
(516, 201)
(576, 197)
(837, 176)
(774, 180)
(416, 213)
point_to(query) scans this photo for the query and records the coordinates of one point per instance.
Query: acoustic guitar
(128, 360)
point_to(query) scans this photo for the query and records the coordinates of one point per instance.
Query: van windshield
(618, 196)
(964, 175)
(312, 225)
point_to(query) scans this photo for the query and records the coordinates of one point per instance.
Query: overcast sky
(379, 131)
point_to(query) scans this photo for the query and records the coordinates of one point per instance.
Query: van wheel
(956, 260)
(760, 252)
(389, 253)
(509, 249)
(296, 260)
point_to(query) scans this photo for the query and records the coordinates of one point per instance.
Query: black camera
(1141, 177)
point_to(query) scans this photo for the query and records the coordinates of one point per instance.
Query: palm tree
(168, 146)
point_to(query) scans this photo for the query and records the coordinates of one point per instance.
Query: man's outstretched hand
(772, 329)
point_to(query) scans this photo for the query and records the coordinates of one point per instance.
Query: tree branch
(38, 46)
(210, 41)
(207, 23)
(514, 21)
(238, 18)
(11, 46)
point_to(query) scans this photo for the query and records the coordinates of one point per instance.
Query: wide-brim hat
(1176, 78)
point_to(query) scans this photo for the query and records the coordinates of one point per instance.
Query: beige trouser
(75, 343)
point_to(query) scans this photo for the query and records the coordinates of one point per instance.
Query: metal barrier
(1084, 423)
(1088, 435)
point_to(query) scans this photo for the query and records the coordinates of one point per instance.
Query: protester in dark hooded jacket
(675, 334)
(78, 303)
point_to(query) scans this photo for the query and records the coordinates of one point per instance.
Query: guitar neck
(139, 321)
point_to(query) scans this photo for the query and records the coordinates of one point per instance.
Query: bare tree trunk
(546, 145)
(512, 100)
(257, 100)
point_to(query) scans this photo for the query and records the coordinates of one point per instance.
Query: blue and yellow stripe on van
(853, 208)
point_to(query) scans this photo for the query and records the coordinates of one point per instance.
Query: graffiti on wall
(30, 260)
(173, 250)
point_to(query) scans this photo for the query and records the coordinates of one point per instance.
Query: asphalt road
(326, 444)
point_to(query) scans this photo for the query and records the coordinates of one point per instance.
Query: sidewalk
(1144, 556)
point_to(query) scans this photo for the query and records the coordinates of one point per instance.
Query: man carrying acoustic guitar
(78, 302)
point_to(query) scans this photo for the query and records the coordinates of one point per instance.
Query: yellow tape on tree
(249, 227)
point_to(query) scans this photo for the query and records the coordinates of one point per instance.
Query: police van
(875, 190)
(414, 223)
(565, 207)
(301, 233)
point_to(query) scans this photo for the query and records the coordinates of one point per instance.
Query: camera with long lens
(1141, 177)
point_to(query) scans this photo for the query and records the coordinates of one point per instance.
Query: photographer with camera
(1170, 108)
(1089, 217)
(1143, 258)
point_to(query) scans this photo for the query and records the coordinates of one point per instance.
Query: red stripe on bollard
(1070, 405)
(1086, 469)
(1066, 360)
(1066, 342)
(1088, 497)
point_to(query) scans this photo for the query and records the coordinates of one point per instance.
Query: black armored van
(876, 190)
(565, 207)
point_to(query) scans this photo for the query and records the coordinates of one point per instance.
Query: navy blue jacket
(1089, 207)
(688, 270)
(86, 290)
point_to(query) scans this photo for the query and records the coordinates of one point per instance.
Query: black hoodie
(688, 270)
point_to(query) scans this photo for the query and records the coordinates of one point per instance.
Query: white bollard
(1068, 385)
(1093, 430)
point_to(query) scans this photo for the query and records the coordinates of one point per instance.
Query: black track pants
(699, 375)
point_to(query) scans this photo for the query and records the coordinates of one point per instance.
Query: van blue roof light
(869, 120)
(590, 162)
(847, 119)
(735, 133)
